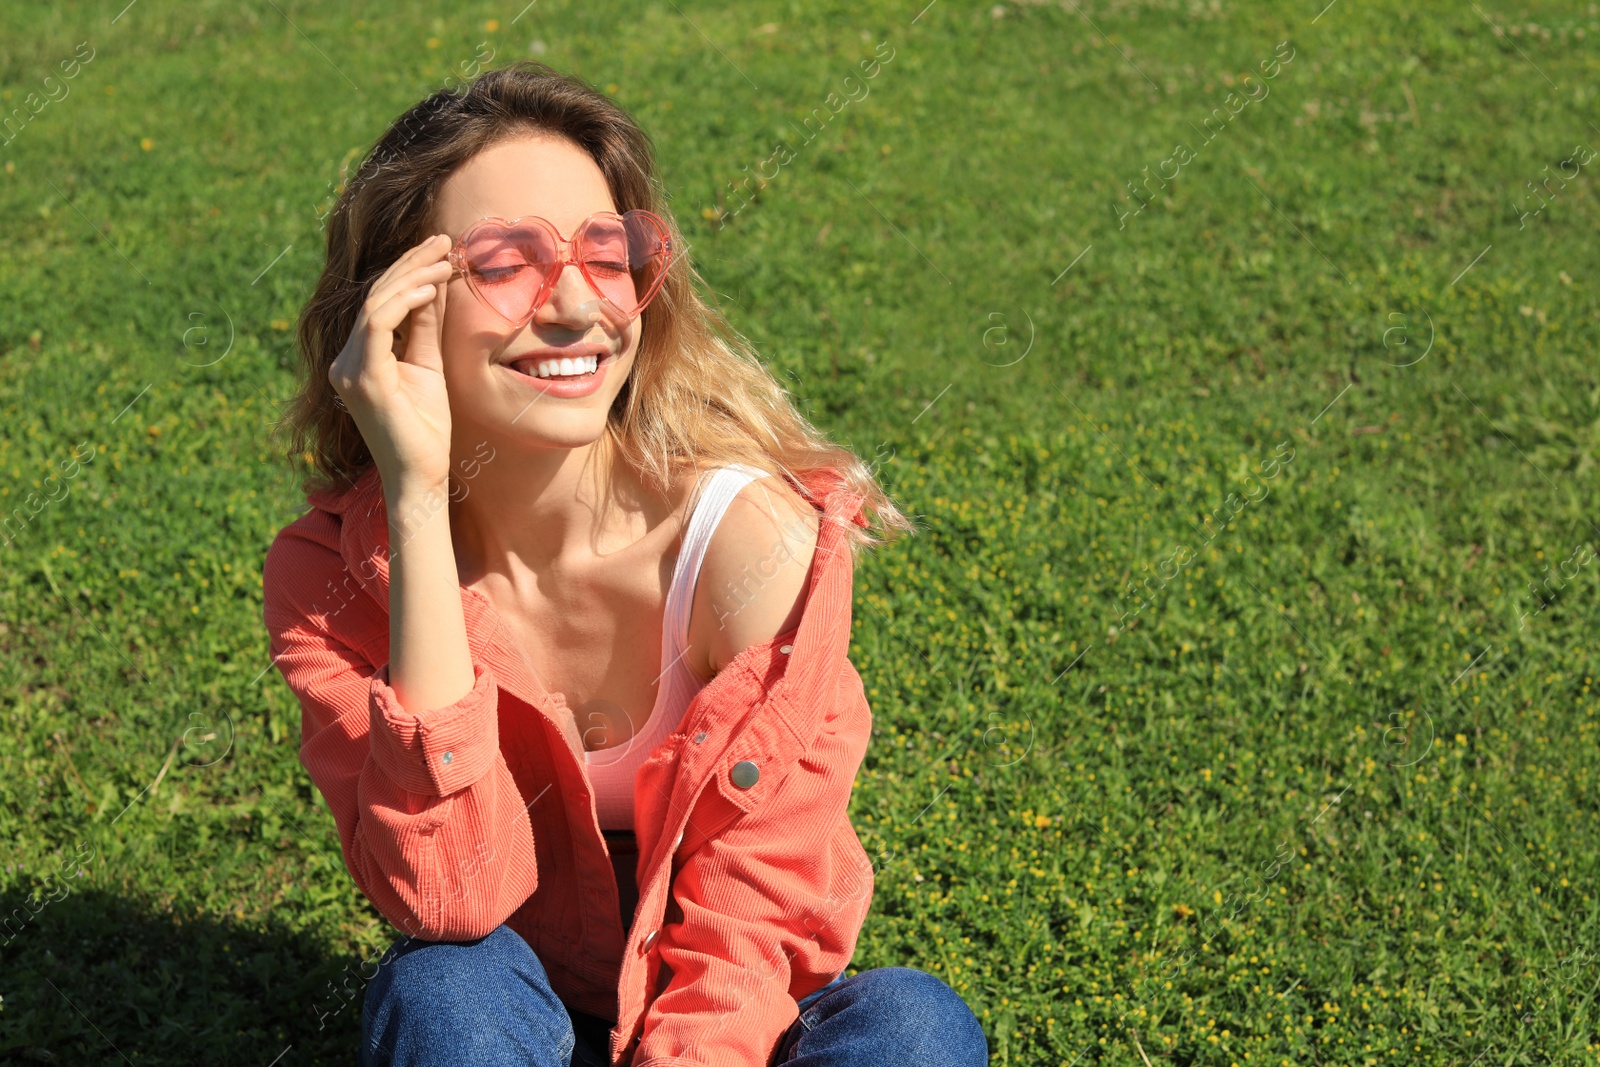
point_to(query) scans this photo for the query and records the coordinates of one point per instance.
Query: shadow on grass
(96, 978)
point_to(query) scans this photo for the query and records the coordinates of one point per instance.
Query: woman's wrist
(430, 662)
(411, 495)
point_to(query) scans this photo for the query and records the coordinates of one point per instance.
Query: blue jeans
(488, 1002)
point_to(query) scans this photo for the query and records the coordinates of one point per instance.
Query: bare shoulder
(753, 580)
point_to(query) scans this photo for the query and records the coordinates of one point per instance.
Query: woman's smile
(562, 376)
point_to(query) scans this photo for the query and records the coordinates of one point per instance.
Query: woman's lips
(564, 387)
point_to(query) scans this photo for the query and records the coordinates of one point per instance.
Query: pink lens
(514, 266)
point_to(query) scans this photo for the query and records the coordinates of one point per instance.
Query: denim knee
(895, 1015)
(486, 1001)
(928, 1019)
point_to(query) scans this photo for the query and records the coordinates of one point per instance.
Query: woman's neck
(546, 509)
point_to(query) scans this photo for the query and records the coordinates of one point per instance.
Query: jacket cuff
(437, 752)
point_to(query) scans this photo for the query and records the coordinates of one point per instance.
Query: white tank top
(611, 770)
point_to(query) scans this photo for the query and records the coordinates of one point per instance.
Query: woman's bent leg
(885, 1015)
(486, 1002)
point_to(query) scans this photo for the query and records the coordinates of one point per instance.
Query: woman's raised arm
(432, 825)
(390, 375)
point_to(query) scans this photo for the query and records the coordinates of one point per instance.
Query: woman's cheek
(459, 335)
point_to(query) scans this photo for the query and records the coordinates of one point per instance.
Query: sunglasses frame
(457, 258)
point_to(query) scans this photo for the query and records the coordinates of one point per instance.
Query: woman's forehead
(543, 175)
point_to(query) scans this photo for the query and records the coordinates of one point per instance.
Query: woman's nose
(571, 302)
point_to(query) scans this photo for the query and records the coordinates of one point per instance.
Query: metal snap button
(744, 774)
(447, 757)
(786, 649)
(649, 939)
(676, 841)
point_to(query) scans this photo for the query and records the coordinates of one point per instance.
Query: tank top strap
(717, 493)
(611, 770)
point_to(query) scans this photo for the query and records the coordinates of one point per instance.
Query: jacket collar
(816, 646)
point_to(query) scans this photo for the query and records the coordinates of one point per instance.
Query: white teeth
(550, 368)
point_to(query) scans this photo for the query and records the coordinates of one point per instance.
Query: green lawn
(1216, 713)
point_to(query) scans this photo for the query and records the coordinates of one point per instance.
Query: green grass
(1314, 794)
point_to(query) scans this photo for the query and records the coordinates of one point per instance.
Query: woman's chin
(534, 429)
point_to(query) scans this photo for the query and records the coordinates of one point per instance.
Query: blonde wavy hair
(698, 393)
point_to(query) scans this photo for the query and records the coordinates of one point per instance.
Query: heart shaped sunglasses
(512, 265)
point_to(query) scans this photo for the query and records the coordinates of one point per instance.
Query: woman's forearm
(430, 663)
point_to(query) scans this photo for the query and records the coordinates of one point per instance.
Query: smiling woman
(595, 855)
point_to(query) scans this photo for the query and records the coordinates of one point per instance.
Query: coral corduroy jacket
(455, 820)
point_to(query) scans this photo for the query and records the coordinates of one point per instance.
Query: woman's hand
(393, 386)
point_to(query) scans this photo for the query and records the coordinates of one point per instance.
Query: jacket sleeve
(771, 905)
(431, 824)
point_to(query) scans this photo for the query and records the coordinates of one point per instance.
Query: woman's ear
(400, 338)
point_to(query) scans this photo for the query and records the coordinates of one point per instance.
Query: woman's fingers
(409, 282)
(404, 275)
(434, 248)
(371, 353)
(382, 323)
(423, 347)
(392, 312)
(420, 264)
(402, 415)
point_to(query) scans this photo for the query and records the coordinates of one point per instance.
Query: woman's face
(488, 365)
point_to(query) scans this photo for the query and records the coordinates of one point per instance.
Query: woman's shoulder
(756, 570)
(302, 561)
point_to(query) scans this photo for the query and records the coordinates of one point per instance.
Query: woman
(525, 483)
